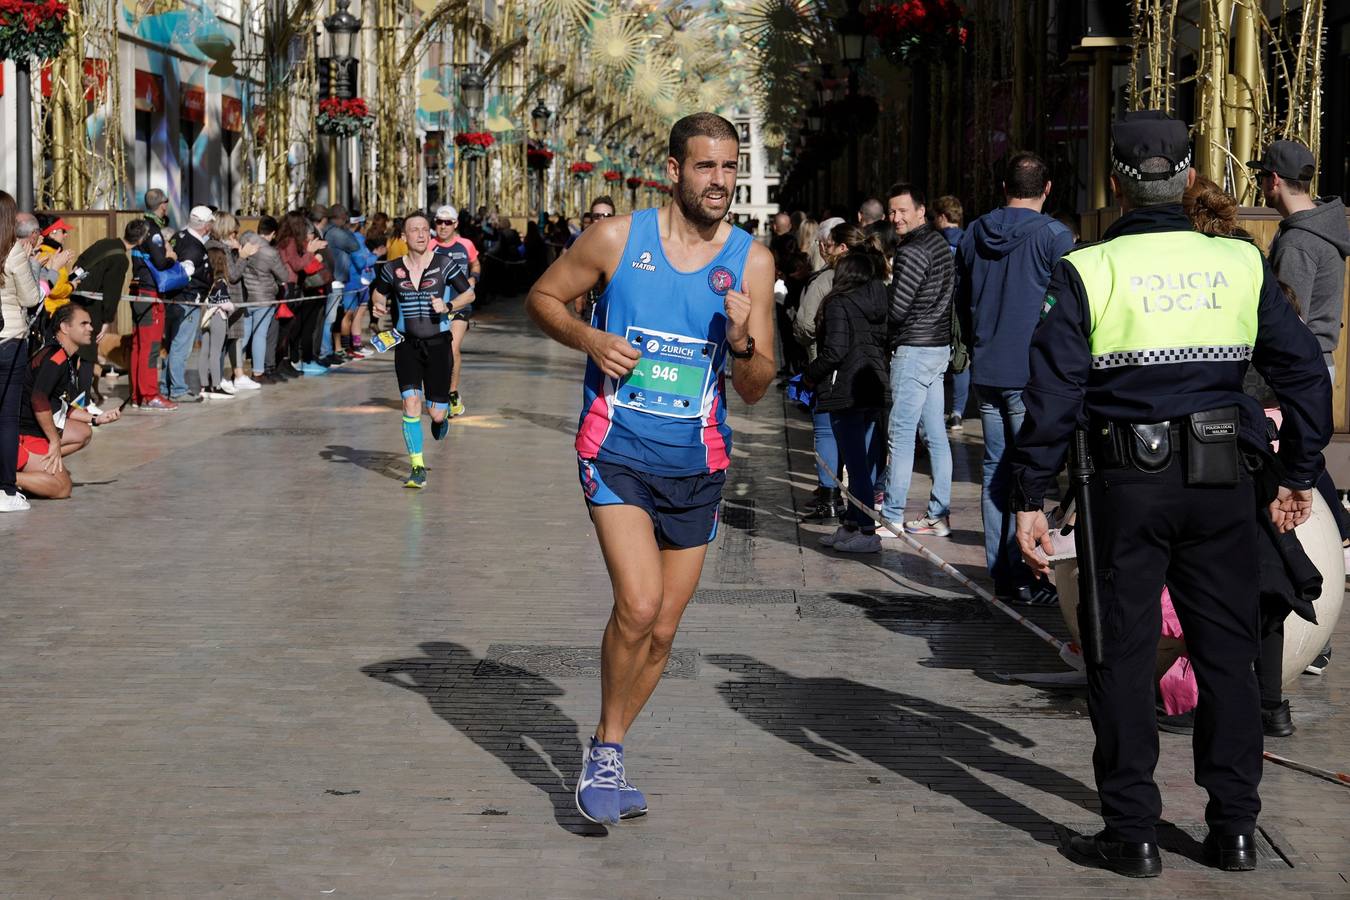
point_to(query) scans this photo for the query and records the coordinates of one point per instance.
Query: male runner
(426, 289)
(683, 290)
(459, 248)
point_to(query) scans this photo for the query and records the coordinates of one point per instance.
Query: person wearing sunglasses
(451, 243)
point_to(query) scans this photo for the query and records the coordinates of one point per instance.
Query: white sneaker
(829, 540)
(886, 534)
(15, 502)
(216, 393)
(93, 409)
(244, 383)
(227, 386)
(857, 542)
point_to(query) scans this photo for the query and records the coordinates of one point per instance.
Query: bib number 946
(665, 373)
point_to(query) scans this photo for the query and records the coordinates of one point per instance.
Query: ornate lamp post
(342, 28)
(539, 118)
(471, 85)
(851, 38)
(632, 192)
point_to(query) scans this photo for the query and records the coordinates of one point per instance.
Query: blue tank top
(669, 415)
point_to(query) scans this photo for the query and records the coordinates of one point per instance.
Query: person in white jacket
(19, 293)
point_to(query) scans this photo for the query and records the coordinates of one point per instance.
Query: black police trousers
(1152, 530)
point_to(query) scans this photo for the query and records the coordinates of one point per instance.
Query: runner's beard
(691, 204)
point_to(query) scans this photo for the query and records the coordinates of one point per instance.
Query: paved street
(245, 661)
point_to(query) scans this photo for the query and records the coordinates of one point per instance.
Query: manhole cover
(885, 607)
(512, 660)
(746, 597)
(1182, 845)
(277, 432)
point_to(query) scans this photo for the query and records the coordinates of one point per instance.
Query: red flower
(613, 175)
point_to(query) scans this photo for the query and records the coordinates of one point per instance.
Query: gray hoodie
(1308, 254)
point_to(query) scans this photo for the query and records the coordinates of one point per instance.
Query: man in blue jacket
(1004, 264)
(341, 245)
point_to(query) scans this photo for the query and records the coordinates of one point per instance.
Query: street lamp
(471, 85)
(851, 34)
(342, 28)
(540, 116)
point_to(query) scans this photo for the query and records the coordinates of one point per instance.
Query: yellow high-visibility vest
(1172, 297)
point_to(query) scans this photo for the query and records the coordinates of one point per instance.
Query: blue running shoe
(438, 429)
(632, 802)
(598, 784)
(312, 369)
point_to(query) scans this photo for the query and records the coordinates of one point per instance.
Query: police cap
(1288, 159)
(1148, 134)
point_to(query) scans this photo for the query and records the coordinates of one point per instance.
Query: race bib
(672, 377)
(386, 340)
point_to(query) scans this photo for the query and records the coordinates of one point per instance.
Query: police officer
(1144, 340)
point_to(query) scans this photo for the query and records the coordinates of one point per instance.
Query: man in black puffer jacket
(923, 282)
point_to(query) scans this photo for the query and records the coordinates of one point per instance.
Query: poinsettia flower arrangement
(538, 158)
(657, 186)
(581, 169)
(343, 118)
(634, 182)
(918, 29)
(474, 144)
(32, 28)
(613, 175)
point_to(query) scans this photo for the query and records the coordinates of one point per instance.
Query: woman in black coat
(851, 376)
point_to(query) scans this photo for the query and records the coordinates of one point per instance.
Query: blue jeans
(916, 398)
(329, 317)
(960, 392)
(181, 324)
(856, 433)
(826, 448)
(1001, 415)
(13, 372)
(257, 322)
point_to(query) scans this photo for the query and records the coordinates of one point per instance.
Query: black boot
(829, 503)
(1277, 722)
(1231, 852)
(1137, 859)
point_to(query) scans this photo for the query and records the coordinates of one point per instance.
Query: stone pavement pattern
(244, 661)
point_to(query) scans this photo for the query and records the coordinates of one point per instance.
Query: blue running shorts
(685, 511)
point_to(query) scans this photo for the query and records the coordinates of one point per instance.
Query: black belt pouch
(1212, 448)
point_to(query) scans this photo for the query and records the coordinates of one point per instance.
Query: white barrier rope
(1068, 651)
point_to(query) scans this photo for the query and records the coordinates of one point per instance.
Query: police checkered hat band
(1149, 134)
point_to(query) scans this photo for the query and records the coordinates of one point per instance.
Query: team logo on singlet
(720, 280)
(644, 262)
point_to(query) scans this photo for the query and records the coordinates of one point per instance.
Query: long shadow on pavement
(929, 743)
(506, 714)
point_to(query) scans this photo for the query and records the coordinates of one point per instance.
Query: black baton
(1089, 604)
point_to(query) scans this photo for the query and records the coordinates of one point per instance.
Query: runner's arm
(461, 289)
(592, 256)
(378, 301)
(751, 377)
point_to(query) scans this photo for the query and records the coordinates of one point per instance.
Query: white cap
(448, 212)
(202, 215)
(827, 226)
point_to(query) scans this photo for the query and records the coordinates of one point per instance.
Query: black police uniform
(1156, 521)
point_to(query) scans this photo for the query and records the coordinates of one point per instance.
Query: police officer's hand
(1290, 508)
(614, 355)
(1033, 531)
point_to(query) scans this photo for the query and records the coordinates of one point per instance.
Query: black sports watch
(748, 352)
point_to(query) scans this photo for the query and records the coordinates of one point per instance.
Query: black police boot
(1136, 859)
(829, 503)
(1231, 852)
(1277, 722)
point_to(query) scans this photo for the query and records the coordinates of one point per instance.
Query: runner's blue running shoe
(598, 785)
(438, 429)
(632, 802)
